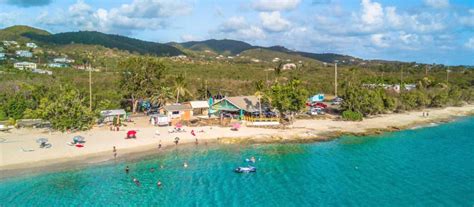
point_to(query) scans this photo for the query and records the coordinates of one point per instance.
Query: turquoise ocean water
(432, 166)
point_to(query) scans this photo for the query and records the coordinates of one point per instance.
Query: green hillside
(14, 33)
(270, 55)
(106, 40)
(225, 46)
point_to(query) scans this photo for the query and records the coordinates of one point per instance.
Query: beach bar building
(200, 108)
(237, 105)
(178, 111)
(109, 115)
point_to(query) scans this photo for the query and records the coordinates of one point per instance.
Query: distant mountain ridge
(224, 46)
(106, 40)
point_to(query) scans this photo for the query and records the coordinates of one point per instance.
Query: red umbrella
(131, 133)
(179, 125)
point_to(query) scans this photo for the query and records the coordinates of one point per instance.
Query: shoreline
(302, 131)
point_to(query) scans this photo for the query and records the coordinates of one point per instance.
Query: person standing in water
(127, 170)
(136, 181)
(185, 165)
(158, 183)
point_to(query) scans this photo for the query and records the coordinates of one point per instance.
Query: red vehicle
(317, 104)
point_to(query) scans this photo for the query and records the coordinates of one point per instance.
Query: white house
(288, 66)
(24, 53)
(25, 65)
(2, 55)
(63, 60)
(31, 45)
(57, 65)
(41, 71)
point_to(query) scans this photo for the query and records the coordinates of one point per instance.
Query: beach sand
(100, 141)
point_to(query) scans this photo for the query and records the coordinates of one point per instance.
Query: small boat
(245, 169)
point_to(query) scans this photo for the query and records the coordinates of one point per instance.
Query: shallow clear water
(431, 166)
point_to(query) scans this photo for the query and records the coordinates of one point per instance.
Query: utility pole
(401, 78)
(447, 77)
(335, 78)
(90, 88)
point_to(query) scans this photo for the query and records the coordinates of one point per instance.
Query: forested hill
(106, 40)
(225, 46)
(233, 47)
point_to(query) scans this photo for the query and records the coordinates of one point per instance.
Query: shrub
(349, 115)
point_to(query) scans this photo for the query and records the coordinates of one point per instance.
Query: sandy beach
(19, 149)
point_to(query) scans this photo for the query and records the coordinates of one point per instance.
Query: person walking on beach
(115, 152)
(159, 144)
(176, 140)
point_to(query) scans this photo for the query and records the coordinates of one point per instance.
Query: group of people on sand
(426, 114)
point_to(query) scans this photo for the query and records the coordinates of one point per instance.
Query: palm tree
(163, 96)
(278, 70)
(180, 87)
(259, 93)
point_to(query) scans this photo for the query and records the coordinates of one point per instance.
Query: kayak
(245, 169)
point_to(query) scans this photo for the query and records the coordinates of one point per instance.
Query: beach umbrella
(179, 125)
(131, 133)
(41, 140)
(236, 125)
(78, 139)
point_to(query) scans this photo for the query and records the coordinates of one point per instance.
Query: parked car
(316, 111)
(317, 104)
(336, 101)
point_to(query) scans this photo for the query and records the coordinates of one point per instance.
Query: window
(175, 112)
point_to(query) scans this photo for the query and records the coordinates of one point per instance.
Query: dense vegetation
(124, 78)
(106, 40)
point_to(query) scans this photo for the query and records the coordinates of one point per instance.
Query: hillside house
(24, 65)
(31, 45)
(24, 53)
(63, 60)
(57, 65)
(10, 43)
(2, 56)
(41, 71)
(288, 66)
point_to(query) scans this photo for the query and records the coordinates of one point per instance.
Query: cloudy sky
(429, 31)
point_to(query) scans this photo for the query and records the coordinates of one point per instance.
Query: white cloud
(470, 43)
(154, 8)
(238, 28)
(468, 20)
(7, 18)
(379, 40)
(138, 15)
(438, 4)
(272, 21)
(275, 5)
(392, 17)
(372, 12)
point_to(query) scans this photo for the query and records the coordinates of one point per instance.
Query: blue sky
(428, 31)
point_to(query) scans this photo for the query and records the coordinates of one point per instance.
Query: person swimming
(185, 165)
(158, 183)
(127, 169)
(136, 181)
(152, 169)
(252, 159)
